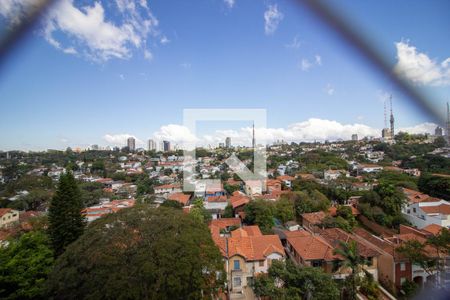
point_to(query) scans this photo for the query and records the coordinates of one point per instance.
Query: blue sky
(93, 73)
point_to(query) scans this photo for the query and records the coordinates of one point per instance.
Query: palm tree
(352, 260)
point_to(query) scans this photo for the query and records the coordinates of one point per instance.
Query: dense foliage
(435, 186)
(320, 160)
(383, 205)
(24, 266)
(140, 253)
(287, 281)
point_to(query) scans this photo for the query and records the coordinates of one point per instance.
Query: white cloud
(419, 68)
(148, 55)
(164, 40)
(420, 128)
(295, 44)
(305, 64)
(318, 59)
(272, 18)
(175, 133)
(120, 139)
(330, 90)
(185, 65)
(89, 31)
(229, 3)
(121, 76)
(70, 50)
(309, 130)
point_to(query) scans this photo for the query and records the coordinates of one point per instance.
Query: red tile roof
(239, 200)
(179, 197)
(225, 222)
(433, 228)
(251, 247)
(334, 235)
(285, 177)
(4, 211)
(438, 209)
(217, 199)
(315, 217)
(312, 247)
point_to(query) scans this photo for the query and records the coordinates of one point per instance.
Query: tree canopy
(140, 253)
(297, 283)
(24, 266)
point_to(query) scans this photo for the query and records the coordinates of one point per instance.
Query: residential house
(216, 205)
(8, 217)
(273, 185)
(422, 210)
(318, 250)
(181, 198)
(253, 187)
(166, 189)
(238, 201)
(287, 180)
(369, 168)
(246, 253)
(92, 213)
(330, 175)
(311, 221)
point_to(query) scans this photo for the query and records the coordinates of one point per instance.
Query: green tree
(66, 223)
(199, 212)
(435, 186)
(140, 253)
(145, 185)
(172, 204)
(352, 260)
(259, 212)
(298, 283)
(24, 266)
(415, 252)
(228, 213)
(284, 210)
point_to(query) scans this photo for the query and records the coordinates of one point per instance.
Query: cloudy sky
(96, 72)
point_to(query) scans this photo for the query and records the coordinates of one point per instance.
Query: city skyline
(271, 55)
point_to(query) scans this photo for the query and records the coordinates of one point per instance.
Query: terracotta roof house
(311, 220)
(179, 197)
(422, 210)
(393, 267)
(308, 249)
(334, 236)
(8, 217)
(247, 253)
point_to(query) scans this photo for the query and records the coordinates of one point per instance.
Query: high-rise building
(392, 121)
(151, 145)
(166, 146)
(131, 143)
(439, 131)
(354, 137)
(253, 137)
(386, 134)
(228, 142)
(448, 124)
(94, 147)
